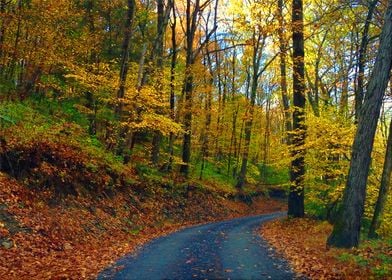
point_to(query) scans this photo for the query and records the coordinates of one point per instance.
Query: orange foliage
(79, 237)
(302, 243)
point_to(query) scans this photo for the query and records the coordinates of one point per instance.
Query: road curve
(224, 250)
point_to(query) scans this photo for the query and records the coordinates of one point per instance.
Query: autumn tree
(173, 63)
(348, 223)
(283, 46)
(192, 17)
(259, 30)
(297, 172)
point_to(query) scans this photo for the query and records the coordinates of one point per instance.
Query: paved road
(224, 250)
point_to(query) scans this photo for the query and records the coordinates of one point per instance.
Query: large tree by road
(297, 172)
(347, 227)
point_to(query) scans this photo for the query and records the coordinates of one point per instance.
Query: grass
(216, 178)
(212, 172)
(271, 175)
(372, 253)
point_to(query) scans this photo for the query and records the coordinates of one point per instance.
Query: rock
(7, 244)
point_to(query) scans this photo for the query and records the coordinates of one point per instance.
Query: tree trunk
(2, 32)
(158, 51)
(123, 131)
(172, 84)
(125, 57)
(267, 131)
(220, 106)
(248, 129)
(359, 94)
(346, 230)
(208, 102)
(191, 24)
(384, 188)
(297, 172)
(186, 145)
(283, 79)
(233, 139)
(14, 60)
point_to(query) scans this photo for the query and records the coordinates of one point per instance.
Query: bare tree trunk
(172, 83)
(13, 62)
(125, 57)
(158, 51)
(346, 230)
(283, 78)
(207, 124)
(233, 138)
(249, 122)
(359, 94)
(297, 172)
(191, 17)
(123, 74)
(267, 131)
(237, 153)
(2, 33)
(141, 75)
(91, 102)
(384, 188)
(220, 106)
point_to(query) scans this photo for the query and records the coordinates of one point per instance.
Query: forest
(125, 120)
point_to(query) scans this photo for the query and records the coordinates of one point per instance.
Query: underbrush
(48, 152)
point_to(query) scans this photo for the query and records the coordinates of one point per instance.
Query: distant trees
(192, 17)
(259, 33)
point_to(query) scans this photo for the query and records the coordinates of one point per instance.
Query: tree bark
(162, 21)
(233, 138)
(248, 133)
(2, 32)
(283, 74)
(359, 94)
(191, 17)
(297, 172)
(346, 231)
(209, 79)
(258, 45)
(125, 57)
(172, 84)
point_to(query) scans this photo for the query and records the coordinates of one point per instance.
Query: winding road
(224, 250)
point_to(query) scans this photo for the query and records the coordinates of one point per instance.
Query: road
(224, 250)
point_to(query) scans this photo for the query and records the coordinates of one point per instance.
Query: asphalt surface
(224, 250)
